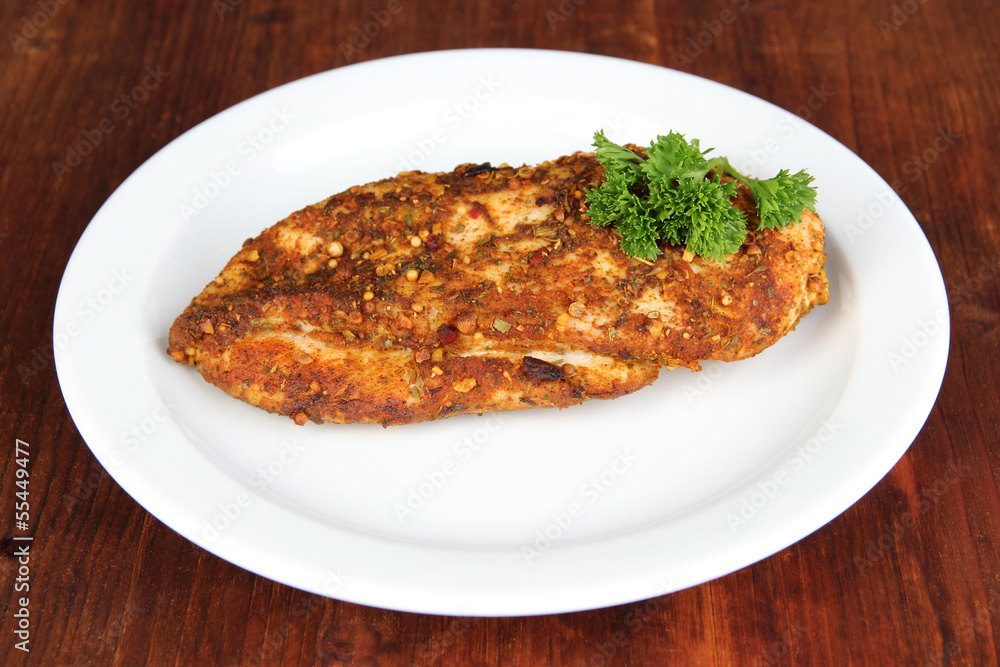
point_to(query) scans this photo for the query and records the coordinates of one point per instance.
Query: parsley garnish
(668, 195)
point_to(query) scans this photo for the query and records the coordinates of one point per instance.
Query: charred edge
(479, 169)
(537, 370)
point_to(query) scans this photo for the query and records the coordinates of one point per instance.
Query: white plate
(521, 513)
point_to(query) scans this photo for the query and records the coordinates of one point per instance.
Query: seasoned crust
(468, 272)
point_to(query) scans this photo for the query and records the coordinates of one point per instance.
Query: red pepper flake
(447, 334)
(431, 242)
(476, 210)
(536, 257)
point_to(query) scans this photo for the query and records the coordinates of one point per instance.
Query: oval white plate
(519, 513)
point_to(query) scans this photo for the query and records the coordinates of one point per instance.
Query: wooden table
(913, 87)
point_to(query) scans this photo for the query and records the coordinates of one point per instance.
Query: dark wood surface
(110, 584)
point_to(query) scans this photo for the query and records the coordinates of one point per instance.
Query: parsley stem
(722, 162)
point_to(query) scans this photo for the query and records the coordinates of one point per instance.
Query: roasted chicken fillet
(429, 295)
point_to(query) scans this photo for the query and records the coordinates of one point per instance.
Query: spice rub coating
(429, 295)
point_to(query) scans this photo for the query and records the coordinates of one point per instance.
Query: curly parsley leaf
(677, 195)
(782, 198)
(702, 217)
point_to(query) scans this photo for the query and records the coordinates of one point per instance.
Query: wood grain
(111, 585)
